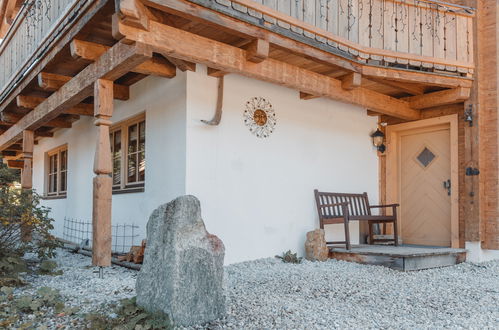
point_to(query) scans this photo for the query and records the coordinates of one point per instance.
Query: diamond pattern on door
(425, 157)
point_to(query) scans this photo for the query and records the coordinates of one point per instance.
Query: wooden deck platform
(404, 258)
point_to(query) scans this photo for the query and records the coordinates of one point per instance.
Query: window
(128, 148)
(57, 172)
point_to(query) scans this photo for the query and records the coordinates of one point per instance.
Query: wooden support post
(27, 156)
(102, 184)
(27, 175)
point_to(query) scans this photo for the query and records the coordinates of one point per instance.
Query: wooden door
(425, 186)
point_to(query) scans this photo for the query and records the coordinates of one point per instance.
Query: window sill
(128, 190)
(48, 197)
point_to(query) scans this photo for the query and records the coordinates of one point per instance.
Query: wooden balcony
(366, 52)
(417, 34)
(37, 27)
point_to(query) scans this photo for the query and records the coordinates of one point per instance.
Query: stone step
(403, 258)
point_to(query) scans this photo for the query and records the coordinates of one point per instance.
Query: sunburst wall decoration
(259, 117)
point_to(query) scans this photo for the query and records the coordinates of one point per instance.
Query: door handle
(447, 185)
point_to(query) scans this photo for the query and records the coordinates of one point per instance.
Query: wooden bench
(343, 208)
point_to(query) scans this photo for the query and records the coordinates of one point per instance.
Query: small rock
(315, 246)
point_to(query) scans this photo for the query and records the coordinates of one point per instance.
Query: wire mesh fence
(79, 232)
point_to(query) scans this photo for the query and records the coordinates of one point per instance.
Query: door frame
(393, 134)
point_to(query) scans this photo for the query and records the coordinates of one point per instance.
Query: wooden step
(403, 258)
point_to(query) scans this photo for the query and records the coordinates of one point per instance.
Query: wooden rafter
(190, 47)
(52, 82)
(444, 97)
(91, 51)
(31, 102)
(116, 62)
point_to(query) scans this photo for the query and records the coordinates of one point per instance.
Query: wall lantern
(379, 140)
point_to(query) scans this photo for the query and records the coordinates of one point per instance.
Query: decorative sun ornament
(259, 117)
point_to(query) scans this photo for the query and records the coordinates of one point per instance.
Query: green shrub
(21, 216)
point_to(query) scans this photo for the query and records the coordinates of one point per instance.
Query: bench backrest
(358, 204)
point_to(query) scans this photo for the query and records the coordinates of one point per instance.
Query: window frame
(123, 126)
(59, 193)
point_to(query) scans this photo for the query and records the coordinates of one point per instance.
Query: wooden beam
(351, 81)
(306, 96)
(14, 147)
(190, 47)
(13, 7)
(444, 97)
(216, 73)
(116, 62)
(91, 51)
(404, 87)
(51, 82)
(103, 182)
(44, 134)
(257, 51)
(134, 13)
(426, 78)
(242, 29)
(13, 118)
(17, 164)
(181, 65)
(31, 102)
(373, 113)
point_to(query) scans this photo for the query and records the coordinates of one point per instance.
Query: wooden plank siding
(426, 34)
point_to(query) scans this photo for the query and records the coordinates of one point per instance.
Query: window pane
(116, 170)
(142, 166)
(63, 181)
(132, 138)
(64, 160)
(53, 163)
(132, 168)
(116, 148)
(142, 136)
(51, 183)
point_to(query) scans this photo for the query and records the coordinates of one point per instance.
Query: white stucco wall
(257, 194)
(163, 101)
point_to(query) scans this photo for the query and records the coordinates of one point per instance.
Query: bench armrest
(383, 206)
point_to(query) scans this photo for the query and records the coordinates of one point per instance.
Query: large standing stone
(315, 246)
(182, 273)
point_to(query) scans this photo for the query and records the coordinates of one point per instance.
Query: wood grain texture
(117, 61)
(187, 46)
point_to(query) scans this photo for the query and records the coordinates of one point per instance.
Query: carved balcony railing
(420, 34)
(36, 27)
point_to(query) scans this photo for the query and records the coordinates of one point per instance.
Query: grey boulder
(182, 273)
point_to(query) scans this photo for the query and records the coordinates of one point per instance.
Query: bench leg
(395, 233)
(347, 235)
(371, 237)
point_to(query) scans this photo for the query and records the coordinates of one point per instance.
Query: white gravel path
(80, 284)
(269, 294)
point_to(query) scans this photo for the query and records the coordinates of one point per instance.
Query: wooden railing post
(102, 183)
(27, 175)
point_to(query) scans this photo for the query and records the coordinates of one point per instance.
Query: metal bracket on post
(468, 114)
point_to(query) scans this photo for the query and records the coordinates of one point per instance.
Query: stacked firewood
(136, 254)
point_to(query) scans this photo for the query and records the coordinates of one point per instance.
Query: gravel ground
(80, 287)
(268, 293)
